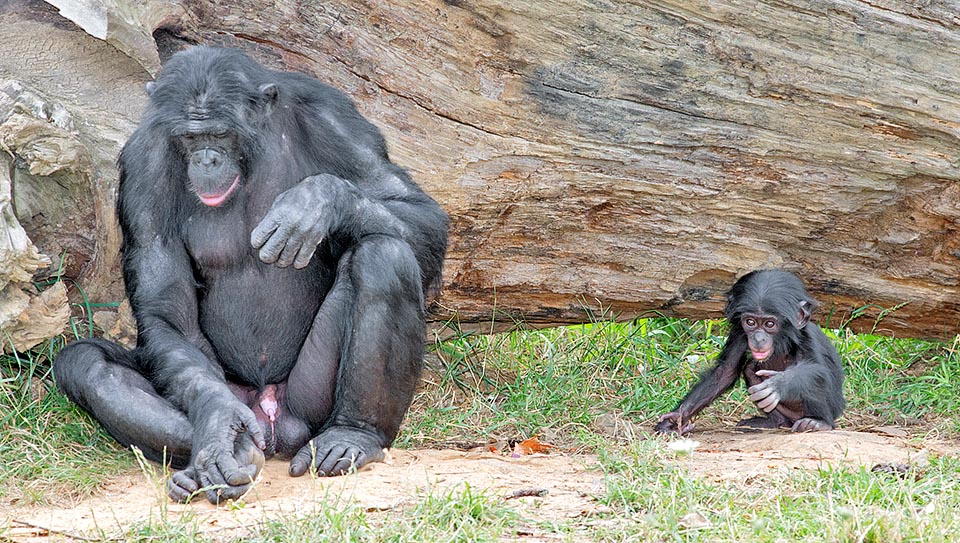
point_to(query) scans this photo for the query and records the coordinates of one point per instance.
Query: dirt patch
(735, 456)
(408, 475)
(570, 482)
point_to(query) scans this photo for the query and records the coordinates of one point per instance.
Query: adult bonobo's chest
(255, 315)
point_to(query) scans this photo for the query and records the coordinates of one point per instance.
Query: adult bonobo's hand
(227, 455)
(767, 394)
(672, 422)
(301, 217)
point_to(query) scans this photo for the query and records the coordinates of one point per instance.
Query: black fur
(235, 173)
(800, 380)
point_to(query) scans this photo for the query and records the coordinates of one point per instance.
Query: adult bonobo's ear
(270, 92)
(803, 315)
(150, 86)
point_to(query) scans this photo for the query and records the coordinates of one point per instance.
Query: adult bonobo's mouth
(217, 199)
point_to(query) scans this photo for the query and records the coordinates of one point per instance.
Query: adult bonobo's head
(211, 103)
(770, 307)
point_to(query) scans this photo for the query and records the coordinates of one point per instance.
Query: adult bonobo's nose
(208, 159)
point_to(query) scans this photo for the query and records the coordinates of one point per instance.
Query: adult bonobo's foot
(337, 450)
(183, 486)
(672, 423)
(808, 424)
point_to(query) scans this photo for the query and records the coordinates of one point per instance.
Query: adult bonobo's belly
(257, 318)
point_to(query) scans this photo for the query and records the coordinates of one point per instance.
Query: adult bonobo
(236, 173)
(792, 370)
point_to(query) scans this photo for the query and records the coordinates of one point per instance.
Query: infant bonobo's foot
(183, 486)
(337, 450)
(808, 424)
(760, 422)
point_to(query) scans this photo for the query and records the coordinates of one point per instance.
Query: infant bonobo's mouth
(217, 198)
(760, 356)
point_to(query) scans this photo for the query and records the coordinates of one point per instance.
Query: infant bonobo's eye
(749, 322)
(770, 325)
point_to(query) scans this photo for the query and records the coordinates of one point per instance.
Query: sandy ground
(570, 482)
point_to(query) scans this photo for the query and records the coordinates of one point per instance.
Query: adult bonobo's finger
(182, 485)
(264, 230)
(252, 426)
(289, 253)
(232, 472)
(270, 251)
(211, 482)
(305, 254)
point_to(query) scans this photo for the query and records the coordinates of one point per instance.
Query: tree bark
(598, 158)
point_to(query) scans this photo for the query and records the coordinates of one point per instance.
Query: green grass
(561, 384)
(665, 503)
(47, 446)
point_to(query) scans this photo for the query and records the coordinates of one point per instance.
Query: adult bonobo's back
(277, 264)
(792, 370)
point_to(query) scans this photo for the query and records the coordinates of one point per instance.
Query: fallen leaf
(695, 521)
(531, 446)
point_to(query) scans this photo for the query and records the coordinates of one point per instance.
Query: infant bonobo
(792, 370)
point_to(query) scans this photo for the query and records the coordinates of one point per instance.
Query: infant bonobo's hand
(766, 394)
(672, 422)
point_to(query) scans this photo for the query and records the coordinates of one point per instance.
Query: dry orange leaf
(532, 446)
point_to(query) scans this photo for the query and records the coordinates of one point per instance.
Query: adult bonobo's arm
(712, 384)
(159, 283)
(356, 192)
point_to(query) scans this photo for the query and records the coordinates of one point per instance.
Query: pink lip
(760, 355)
(214, 200)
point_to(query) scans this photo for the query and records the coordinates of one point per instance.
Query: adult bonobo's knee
(384, 266)
(276, 262)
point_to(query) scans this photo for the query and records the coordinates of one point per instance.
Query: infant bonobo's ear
(803, 315)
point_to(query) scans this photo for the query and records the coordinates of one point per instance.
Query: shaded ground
(571, 481)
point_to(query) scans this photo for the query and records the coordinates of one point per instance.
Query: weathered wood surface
(597, 156)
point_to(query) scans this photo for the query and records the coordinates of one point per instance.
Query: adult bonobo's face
(212, 107)
(761, 330)
(213, 161)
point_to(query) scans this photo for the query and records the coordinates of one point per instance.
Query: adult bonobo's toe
(337, 451)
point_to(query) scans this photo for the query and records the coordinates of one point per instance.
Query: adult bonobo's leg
(368, 338)
(102, 378)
